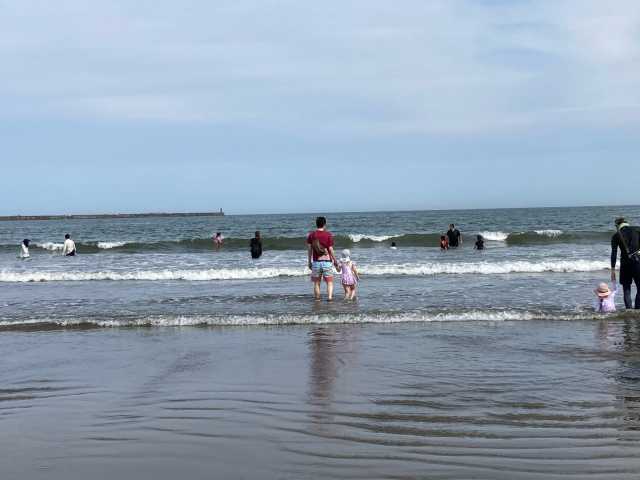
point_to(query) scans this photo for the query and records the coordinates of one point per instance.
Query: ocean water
(157, 354)
(539, 263)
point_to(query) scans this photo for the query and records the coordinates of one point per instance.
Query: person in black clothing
(454, 236)
(255, 245)
(629, 270)
(480, 244)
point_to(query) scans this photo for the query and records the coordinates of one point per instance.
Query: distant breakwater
(108, 215)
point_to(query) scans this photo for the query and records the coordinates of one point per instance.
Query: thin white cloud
(361, 67)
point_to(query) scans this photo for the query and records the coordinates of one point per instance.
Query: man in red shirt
(321, 257)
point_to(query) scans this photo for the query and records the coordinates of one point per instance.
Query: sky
(288, 106)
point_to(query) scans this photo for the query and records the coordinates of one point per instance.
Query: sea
(157, 353)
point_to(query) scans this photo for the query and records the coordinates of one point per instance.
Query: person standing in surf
(454, 236)
(479, 245)
(350, 275)
(25, 249)
(255, 245)
(321, 259)
(627, 238)
(69, 247)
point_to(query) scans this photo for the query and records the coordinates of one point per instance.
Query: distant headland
(109, 215)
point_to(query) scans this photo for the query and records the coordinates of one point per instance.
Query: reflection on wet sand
(330, 350)
(629, 376)
(510, 401)
(623, 338)
(323, 371)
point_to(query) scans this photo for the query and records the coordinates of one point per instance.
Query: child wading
(606, 301)
(350, 275)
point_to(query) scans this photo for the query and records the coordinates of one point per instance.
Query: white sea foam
(481, 268)
(484, 268)
(495, 236)
(51, 246)
(107, 245)
(239, 320)
(355, 237)
(153, 275)
(549, 233)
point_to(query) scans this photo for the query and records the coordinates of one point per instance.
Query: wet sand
(482, 400)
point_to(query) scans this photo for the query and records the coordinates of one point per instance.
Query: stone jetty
(109, 215)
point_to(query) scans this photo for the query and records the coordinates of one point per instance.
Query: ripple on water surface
(508, 400)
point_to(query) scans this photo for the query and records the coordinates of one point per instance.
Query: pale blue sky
(289, 106)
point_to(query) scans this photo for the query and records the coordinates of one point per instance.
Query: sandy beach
(486, 400)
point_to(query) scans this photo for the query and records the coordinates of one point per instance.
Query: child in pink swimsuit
(350, 275)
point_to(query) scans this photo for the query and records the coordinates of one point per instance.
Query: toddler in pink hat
(606, 298)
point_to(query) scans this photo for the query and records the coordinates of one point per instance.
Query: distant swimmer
(69, 248)
(255, 245)
(454, 236)
(479, 245)
(218, 238)
(393, 246)
(606, 298)
(25, 249)
(444, 245)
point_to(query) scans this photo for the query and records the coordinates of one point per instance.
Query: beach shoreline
(490, 401)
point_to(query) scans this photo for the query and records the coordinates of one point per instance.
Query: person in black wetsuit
(454, 236)
(479, 245)
(629, 271)
(255, 245)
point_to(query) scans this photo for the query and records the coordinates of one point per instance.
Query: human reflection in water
(624, 339)
(323, 370)
(629, 376)
(631, 362)
(329, 351)
(631, 335)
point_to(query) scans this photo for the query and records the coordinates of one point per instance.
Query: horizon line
(187, 214)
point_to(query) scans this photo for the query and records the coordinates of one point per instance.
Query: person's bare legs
(353, 291)
(329, 290)
(316, 289)
(346, 291)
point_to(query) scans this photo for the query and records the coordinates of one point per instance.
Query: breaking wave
(89, 245)
(463, 315)
(374, 238)
(549, 233)
(495, 236)
(481, 268)
(353, 240)
(561, 266)
(107, 245)
(50, 246)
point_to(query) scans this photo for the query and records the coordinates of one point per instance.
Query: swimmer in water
(479, 245)
(69, 248)
(444, 245)
(218, 238)
(25, 249)
(393, 246)
(255, 246)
